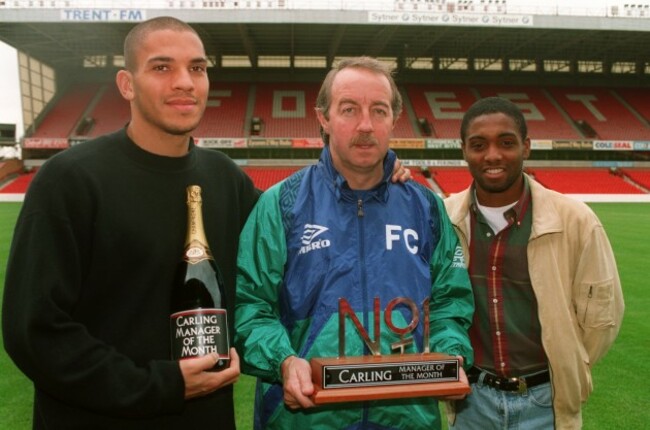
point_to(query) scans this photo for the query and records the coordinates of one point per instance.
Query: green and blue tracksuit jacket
(312, 240)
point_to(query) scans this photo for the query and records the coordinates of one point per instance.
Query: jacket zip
(364, 287)
(362, 258)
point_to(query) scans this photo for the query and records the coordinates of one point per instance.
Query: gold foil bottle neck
(196, 243)
(194, 194)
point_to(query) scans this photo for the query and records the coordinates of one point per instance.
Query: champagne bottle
(198, 320)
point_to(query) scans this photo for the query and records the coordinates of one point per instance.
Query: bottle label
(195, 253)
(199, 332)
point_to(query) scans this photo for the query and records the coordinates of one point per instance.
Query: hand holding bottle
(198, 321)
(200, 381)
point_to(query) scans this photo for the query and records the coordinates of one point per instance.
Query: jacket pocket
(596, 302)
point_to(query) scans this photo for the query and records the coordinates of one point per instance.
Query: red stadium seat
(266, 177)
(18, 185)
(543, 119)
(605, 113)
(416, 174)
(287, 109)
(639, 176)
(584, 181)
(60, 121)
(225, 114)
(111, 113)
(451, 180)
(442, 105)
(638, 99)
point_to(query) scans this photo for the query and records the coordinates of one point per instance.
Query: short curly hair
(490, 105)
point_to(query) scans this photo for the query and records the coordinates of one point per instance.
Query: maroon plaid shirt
(505, 334)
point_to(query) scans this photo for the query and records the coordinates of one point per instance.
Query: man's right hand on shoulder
(296, 377)
(199, 381)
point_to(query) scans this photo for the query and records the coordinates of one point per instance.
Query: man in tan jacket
(548, 296)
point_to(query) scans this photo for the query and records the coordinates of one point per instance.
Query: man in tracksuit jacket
(341, 229)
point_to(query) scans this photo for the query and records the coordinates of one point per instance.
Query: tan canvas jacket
(578, 290)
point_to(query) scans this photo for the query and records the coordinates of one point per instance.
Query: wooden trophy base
(375, 377)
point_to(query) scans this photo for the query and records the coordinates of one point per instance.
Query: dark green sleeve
(260, 338)
(452, 300)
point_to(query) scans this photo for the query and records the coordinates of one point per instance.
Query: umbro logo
(312, 231)
(459, 258)
(311, 241)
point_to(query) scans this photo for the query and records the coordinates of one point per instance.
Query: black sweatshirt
(89, 277)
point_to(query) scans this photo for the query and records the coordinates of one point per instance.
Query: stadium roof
(67, 38)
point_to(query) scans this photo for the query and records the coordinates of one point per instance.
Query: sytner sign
(431, 18)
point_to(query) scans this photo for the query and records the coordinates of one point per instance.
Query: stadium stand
(403, 128)
(639, 176)
(287, 109)
(8, 168)
(418, 176)
(263, 72)
(544, 120)
(442, 106)
(19, 185)
(64, 115)
(638, 99)
(225, 113)
(110, 113)
(584, 181)
(265, 177)
(451, 180)
(602, 111)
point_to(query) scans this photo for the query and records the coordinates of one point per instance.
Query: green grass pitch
(621, 392)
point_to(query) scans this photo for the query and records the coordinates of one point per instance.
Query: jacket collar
(515, 213)
(545, 216)
(340, 185)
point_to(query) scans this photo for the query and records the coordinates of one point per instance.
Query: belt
(519, 384)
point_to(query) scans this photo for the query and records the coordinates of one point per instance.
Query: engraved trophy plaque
(376, 376)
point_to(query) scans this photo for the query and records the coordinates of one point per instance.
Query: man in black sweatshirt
(91, 268)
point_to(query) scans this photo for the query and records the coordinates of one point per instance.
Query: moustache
(364, 140)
